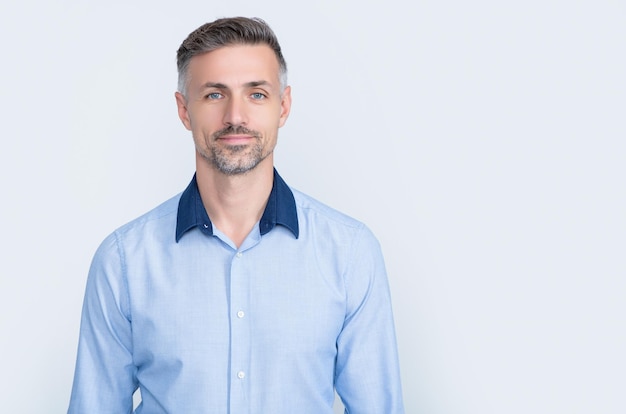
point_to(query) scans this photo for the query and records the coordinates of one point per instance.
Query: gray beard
(235, 160)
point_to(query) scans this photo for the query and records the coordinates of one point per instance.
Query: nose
(235, 113)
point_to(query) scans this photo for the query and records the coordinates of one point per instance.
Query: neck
(235, 203)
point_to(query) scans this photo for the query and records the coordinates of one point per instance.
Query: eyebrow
(214, 85)
(252, 84)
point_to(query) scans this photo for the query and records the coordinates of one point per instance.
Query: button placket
(240, 331)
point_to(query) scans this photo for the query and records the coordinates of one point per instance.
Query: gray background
(483, 142)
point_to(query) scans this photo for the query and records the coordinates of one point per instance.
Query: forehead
(234, 64)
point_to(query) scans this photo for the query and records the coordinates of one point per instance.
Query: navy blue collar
(280, 209)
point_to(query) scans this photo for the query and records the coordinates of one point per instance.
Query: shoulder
(163, 215)
(342, 245)
(329, 224)
(158, 223)
(310, 208)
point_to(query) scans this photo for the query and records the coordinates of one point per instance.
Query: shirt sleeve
(367, 374)
(105, 376)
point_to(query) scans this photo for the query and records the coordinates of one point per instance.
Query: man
(239, 295)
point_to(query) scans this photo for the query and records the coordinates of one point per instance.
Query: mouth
(238, 139)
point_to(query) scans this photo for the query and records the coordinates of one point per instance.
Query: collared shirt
(302, 307)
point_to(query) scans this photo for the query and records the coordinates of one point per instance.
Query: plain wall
(483, 142)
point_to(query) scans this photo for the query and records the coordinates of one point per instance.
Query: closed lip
(235, 138)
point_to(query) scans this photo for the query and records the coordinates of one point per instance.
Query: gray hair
(227, 32)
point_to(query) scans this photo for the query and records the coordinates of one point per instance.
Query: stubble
(233, 159)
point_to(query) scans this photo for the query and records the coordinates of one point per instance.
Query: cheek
(205, 125)
(206, 117)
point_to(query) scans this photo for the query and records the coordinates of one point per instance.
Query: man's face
(234, 107)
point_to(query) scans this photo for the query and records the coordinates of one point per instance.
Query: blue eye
(214, 95)
(257, 96)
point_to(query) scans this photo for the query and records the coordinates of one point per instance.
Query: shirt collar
(280, 209)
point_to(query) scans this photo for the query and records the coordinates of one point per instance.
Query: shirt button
(240, 314)
(241, 375)
(206, 226)
(239, 254)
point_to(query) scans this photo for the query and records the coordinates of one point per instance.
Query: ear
(183, 113)
(285, 106)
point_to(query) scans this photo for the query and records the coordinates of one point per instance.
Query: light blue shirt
(173, 307)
